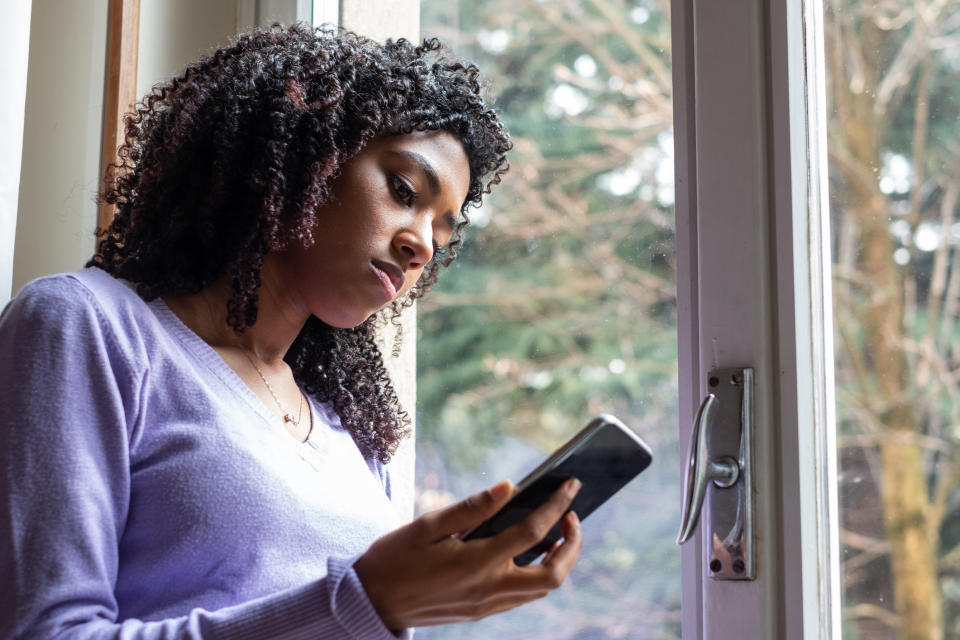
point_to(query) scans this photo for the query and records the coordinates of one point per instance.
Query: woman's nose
(416, 245)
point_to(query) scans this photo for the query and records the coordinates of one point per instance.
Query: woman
(194, 429)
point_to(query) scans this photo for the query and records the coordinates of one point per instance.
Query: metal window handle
(720, 454)
(701, 471)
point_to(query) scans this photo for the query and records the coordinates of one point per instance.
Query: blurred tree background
(893, 70)
(562, 304)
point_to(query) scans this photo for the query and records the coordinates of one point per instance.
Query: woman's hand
(423, 574)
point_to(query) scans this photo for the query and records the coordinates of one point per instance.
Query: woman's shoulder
(75, 289)
(77, 304)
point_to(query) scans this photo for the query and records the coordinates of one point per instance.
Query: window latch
(720, 455)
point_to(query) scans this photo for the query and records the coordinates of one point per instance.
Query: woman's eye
(402, 191)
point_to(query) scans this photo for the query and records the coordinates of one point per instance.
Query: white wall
(59, 177)
(263, 13)
(14, 47)
(174, 33)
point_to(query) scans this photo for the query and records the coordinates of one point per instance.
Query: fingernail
(574, 517)
(573, 486)
(500, 490)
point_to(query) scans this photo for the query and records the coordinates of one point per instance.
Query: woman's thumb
(474, 509)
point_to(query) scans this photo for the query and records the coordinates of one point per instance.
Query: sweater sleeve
(69, 393)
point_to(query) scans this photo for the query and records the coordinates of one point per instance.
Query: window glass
(893, 70)
(562, 304)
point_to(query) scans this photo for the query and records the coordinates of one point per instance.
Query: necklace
(287, 416)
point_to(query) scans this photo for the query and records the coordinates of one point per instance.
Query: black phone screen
(605, 459)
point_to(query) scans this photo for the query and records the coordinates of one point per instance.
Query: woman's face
(392, 206)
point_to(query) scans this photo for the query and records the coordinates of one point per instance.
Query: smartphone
(605, 455)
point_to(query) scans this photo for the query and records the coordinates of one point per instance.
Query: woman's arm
(69, 407)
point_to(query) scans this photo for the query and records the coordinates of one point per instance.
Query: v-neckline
(208, 356)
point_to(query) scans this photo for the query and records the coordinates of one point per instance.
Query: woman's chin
(347, 320)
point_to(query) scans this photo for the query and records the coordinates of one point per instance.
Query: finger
(467, 513)
(554, 569)
(550, 552)
(532, 529)
(566, 554)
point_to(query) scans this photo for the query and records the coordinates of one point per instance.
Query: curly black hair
(232, 159)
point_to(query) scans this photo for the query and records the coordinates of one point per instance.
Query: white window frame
(753, 290)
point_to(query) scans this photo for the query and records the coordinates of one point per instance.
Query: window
(894, 98)
(563, 302)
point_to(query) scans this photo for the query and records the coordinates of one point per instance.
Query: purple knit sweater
(146, 492)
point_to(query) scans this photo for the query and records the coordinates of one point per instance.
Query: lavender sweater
(146, 492)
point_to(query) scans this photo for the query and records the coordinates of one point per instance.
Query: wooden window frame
(120, 87)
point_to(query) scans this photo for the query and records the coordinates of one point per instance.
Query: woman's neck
(279, 318)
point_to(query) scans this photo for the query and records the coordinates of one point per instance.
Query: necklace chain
(287, 416)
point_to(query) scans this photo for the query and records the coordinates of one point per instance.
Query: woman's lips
(390, 276)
